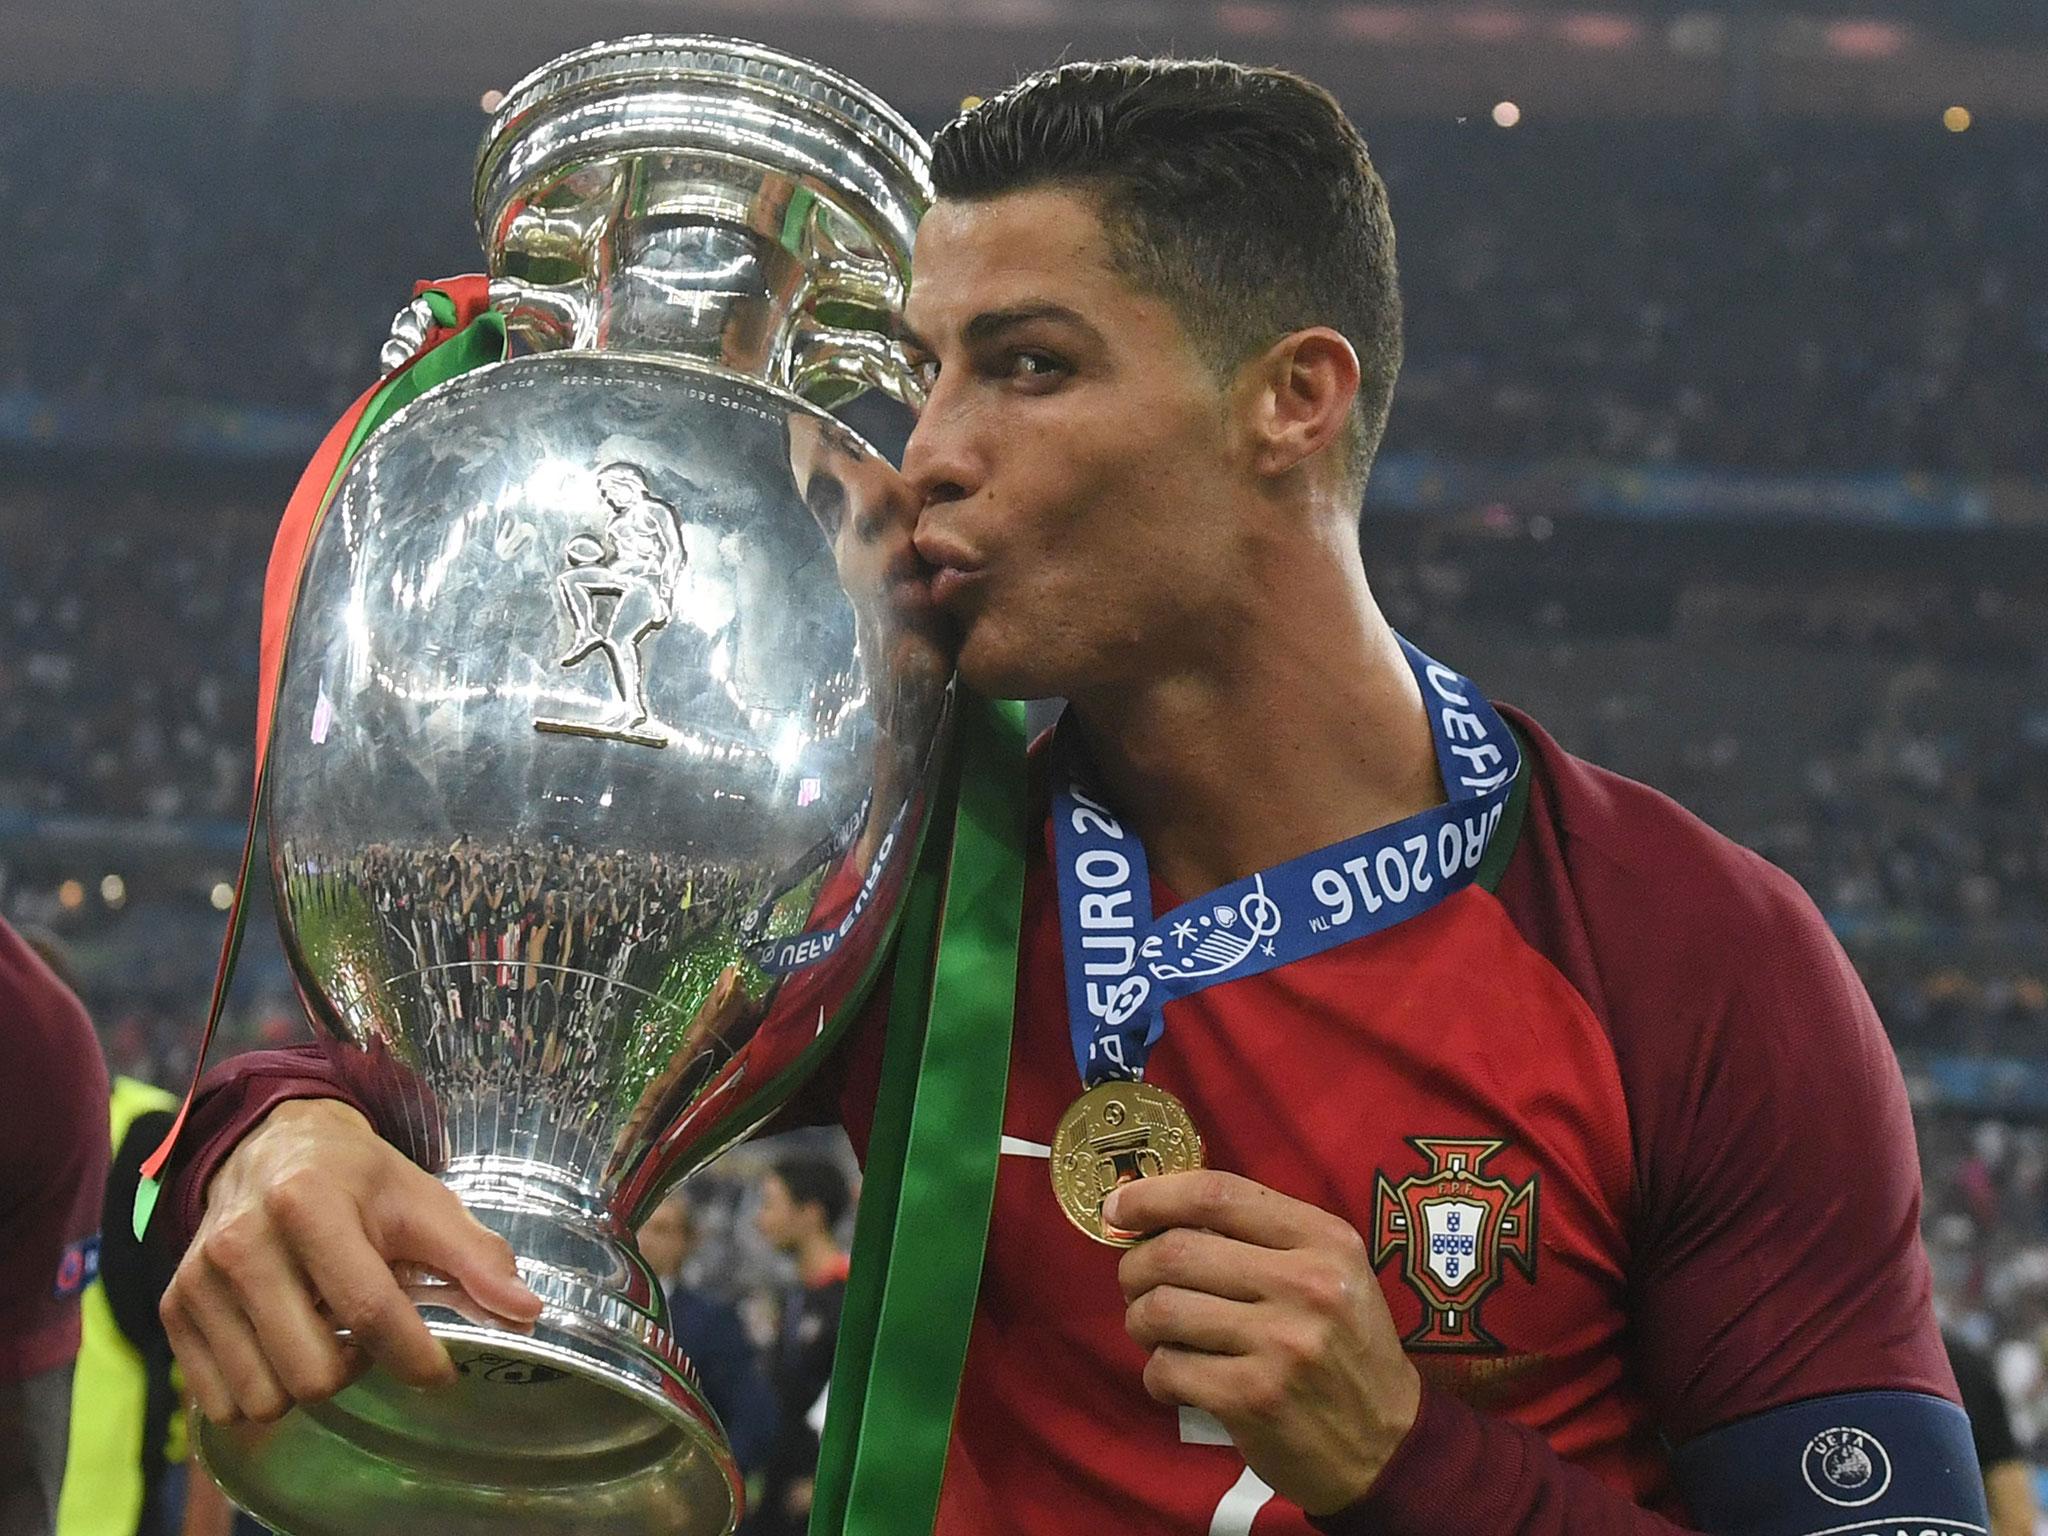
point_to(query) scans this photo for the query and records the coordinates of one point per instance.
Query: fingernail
(1109, 1205)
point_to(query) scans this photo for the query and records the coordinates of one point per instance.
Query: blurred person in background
(124, 1475)
(129, 1468)
(802, 1204)
(2008, 1480)
(53, 1180)
(710, 1333)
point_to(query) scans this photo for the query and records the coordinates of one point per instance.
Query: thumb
(432, 1227)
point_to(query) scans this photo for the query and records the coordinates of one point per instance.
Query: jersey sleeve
(1774, 1222)
(1499, 1478)
(1778, 1235)
(233, 1098)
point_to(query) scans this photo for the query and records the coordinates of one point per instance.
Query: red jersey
(53, 1166)
(1626, 1143)
(1623, 1135)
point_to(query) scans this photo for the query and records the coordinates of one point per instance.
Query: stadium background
(1720, 446)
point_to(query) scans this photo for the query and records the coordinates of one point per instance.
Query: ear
(1298, 398)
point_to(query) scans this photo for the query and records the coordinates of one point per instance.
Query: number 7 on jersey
(1238, 1507)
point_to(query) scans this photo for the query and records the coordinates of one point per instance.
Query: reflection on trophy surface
(602, 751)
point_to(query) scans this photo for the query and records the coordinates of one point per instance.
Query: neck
(1310, 730)
(817, 1256)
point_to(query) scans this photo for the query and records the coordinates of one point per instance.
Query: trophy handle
(548, 317)
(830, 364)
(844, 338)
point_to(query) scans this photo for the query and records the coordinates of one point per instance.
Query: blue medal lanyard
(1124, 965)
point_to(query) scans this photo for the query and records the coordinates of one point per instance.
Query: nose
(941, 461)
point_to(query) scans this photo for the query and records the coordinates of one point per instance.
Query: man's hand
(1264, 1312)
(303, 1223)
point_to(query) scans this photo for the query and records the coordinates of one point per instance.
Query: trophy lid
(718, 95)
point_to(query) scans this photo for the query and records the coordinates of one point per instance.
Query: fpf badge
(1455, 1232)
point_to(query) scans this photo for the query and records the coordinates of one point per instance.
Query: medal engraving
(1114, 1133)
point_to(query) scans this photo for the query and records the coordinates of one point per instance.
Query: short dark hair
(815, 1181)
(1243, 197)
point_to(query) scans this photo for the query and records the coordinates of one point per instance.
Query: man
(1580, 1199)
(803, 1200)
(711, 1334)
(53, 1176)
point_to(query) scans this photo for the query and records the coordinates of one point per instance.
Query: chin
(1000, 671)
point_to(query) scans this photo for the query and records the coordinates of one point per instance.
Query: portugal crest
(1453, 1230)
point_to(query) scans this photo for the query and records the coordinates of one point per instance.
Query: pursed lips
(955, 568)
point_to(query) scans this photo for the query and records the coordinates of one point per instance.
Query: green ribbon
(929, 1181)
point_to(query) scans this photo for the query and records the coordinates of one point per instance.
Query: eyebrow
(991, 323)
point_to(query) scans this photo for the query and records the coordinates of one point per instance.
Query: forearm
(1499, 1478)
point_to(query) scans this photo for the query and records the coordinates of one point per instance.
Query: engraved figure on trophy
(629, 575)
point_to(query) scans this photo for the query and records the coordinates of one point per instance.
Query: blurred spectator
(710, 1333)
(125, 1472)
(2008, 1482)
(803, 1201)
(53, 1178)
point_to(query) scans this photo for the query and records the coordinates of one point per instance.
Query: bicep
(1780, 1259)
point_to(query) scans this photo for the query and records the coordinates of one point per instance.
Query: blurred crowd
(1986, 1226)
(1843, 296)
(1800, 296)
(85, 722)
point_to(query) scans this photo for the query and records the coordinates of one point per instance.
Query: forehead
(987, 253)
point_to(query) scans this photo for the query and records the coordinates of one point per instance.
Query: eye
(1035, 368)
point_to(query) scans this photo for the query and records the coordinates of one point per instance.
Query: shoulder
(1774, 1222)
(59, 1097)
(1662, 922)
(54, 1151)
(1725, 997)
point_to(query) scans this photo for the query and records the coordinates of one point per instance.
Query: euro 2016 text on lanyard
(1123, 965)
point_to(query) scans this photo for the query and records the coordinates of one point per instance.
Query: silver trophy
(602, 752)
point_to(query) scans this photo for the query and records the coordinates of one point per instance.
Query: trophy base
(574, 1426)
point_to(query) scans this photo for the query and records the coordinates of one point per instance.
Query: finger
(1194, 1379)
(358, 1289)
(272, 1291)
(425, 1222)
(1219, 1202)
(203, 1377)
(1168, 1315)
(1198, 1261)
(252, 1385)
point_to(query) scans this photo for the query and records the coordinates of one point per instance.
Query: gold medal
(1112, 1134)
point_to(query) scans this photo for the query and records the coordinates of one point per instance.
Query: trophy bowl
(603, 748)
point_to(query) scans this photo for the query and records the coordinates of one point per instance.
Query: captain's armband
(1859, 1464)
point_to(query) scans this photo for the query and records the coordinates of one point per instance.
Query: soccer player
(53, 1176)
(1559, 1177)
